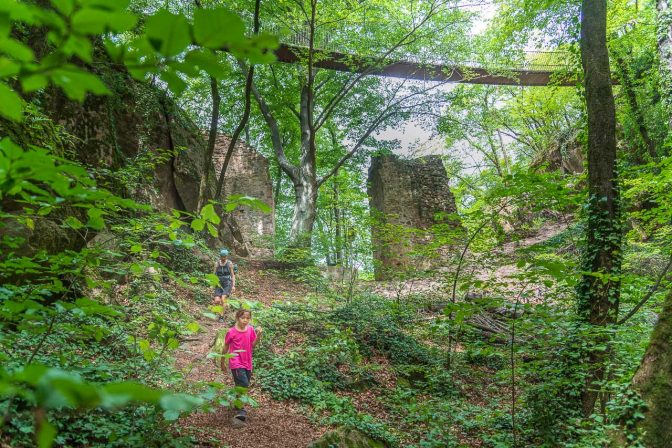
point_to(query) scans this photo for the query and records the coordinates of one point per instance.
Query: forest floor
(283, 423)
(273, 423)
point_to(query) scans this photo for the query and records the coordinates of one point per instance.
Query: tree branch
(278, 147)
(212, 136)
(355, 148)
(246, 111)
(349, 85)
(648, 295)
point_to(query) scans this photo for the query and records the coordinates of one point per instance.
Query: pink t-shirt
(240, 343)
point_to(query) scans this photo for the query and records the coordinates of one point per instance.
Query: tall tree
(353, 101)
(664, 27)
(599, 289)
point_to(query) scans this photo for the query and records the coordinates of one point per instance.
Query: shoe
(238, 423)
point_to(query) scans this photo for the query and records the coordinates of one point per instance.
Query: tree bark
(599, 290)
(653, 381)
(338, 238)
(212, 135)
(305, 208)
(664, 31)
(249, 78)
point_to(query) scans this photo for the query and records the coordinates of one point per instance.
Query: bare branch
(278, 148)
(348, 86)
(246, 111)
(648, 295)
(372, 127)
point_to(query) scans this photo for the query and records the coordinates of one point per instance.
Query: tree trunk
(598, 298)
(212, 136)
(653, 381)
(665, 52)
(305, 209)
(305, 183)
(338, 238)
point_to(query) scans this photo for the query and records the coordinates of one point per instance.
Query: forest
(426, 223)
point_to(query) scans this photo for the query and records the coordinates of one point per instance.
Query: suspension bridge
(531, 68)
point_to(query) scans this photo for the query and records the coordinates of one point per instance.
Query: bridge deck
(334, 60)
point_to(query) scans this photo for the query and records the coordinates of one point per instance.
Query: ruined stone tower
(248, 174)
(407, 198)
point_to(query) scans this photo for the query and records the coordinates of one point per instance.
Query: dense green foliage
(99, 288)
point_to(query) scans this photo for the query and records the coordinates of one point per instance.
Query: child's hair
(241, 312)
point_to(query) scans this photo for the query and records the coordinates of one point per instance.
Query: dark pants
(241, 378)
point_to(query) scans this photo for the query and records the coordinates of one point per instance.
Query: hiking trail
(273, 423)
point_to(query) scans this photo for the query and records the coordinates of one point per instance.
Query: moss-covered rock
(346, 438)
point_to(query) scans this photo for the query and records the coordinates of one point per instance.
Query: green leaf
(215, 28)
(73, 222)
(76, 83)
(207, 61)
(118, 394)
(80, 47)
(208, 213)
(198, 224)
(65, 7)
(8, 68)
(175, 83)
(179, 402)
(213, 230)
(236, 200)
(171, 415)
(97, 21)
(17, 50)
(32, 83)
(212, 280)
(259, 50)
(168, 33)
(11, 104)
(96, 220)
(45, 438)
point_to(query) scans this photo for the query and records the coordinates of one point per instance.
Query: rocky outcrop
(139, 126)
(136, 122)
(407, 198)
(248, 175)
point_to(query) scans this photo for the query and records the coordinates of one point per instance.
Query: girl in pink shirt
(240, 341)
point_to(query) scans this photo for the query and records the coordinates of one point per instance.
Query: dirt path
(274, 424)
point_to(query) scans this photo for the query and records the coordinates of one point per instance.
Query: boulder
(346, 438)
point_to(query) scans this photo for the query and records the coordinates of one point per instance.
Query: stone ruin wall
(248, 174)
(410, 194)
